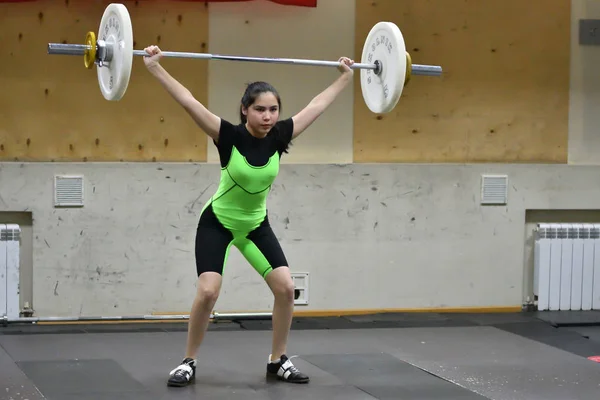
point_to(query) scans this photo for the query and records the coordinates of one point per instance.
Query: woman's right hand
(154, 56)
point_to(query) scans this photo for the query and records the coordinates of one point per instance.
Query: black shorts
(260, 247)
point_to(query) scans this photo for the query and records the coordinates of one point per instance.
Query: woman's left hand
(345, 64)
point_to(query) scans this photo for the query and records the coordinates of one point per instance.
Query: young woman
(236, 214)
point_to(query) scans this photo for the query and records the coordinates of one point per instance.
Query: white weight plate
(385, 44)
(116, 29)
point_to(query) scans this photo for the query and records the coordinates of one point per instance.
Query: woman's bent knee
(209, 286)
(208, 295)
(281, 284)
(286, 291)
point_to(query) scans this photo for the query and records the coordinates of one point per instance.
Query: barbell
(385, 67)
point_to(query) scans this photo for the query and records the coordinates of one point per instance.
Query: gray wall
(371, 236)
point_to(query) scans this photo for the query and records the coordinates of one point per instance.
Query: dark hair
(253, 90)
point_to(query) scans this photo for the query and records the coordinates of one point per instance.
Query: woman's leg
(280, 283)
(279, 365)
(262, 249)
(212, 248)
(207, 292)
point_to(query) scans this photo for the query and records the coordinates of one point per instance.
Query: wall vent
(494, 189)
(68, 191)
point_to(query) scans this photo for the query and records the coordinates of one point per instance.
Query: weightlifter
(236, 214)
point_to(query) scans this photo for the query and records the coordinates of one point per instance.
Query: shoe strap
(182, 367)
(288, 366)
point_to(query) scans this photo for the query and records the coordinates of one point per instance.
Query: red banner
(300, 3)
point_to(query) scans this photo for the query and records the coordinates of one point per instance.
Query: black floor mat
(125, 327)
(410, 320)
(89, 379)
(302, 323)
(386, 377)
(562, 338)
(588, 332)
(569, 318)
(373, 321)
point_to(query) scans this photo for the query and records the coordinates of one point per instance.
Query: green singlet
(237, 213)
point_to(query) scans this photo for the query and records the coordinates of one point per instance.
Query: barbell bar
(385, 65)
(216, 316)
(80, 50)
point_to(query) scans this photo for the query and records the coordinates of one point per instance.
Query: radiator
(567, 267)
(10, 239)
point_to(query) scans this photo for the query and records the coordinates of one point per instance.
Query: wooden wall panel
(504, 96)
(51, 108)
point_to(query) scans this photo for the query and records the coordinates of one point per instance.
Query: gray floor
(459, 362)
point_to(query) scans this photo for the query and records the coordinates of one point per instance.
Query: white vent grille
(68, 191)
(10, 234)
(494, 189)
(300, 280)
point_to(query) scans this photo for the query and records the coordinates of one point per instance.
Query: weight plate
(384, 45)
(117, 31)
(89, 56)
(408, 68)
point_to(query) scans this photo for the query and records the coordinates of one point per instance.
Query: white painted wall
(371, 236)
(130, 249)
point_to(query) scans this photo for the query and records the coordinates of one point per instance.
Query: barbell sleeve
(79, 50)
(67, 49)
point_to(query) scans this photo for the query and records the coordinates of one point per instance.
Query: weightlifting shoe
(284, 370)
(183, 374)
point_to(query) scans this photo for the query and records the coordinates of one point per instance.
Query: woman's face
(263, 114)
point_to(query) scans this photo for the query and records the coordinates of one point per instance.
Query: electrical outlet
(300, 280)
(589, 32)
